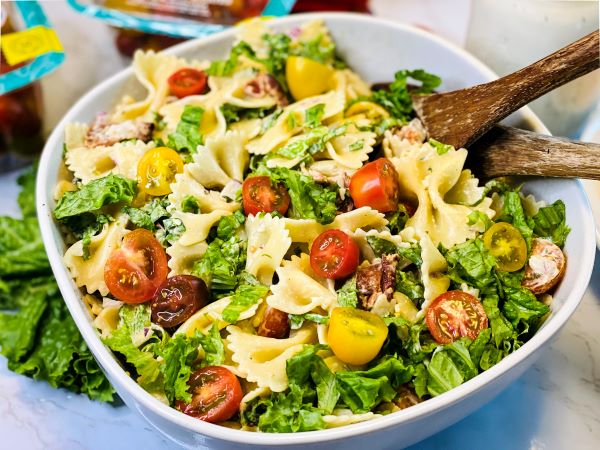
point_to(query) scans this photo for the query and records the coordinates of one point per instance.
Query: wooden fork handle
(511, 151)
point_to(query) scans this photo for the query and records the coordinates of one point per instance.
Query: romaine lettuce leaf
(94, 195)
(347, 295)
(243, 298)
(551, 223)
(187, 136)
(309, 200)
(362, 390)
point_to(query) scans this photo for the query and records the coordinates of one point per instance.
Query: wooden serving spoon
(461, 117)
(511, 151)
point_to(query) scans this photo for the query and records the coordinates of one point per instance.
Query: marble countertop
(554, 405)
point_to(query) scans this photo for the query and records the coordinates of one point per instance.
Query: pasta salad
(268, 243)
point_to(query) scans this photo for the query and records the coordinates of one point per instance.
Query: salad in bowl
(268, 243)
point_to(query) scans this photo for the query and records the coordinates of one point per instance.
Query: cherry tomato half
(157, 169)
(455, 314)
(334, 255)
(376, 185)
(135, 271)
(355, 335)
(216, 394)
(186, 82)
(259, 195)
(306, 77)
(507, 245)
(177, 299)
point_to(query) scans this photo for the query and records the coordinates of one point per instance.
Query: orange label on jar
(28, 44)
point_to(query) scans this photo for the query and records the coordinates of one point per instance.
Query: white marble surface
(555, 405)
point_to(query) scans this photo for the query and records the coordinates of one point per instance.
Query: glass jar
(21, 137)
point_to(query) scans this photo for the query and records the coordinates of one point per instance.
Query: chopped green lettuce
(187, 137)
(362, 390)
(347, 295)
(213, 347)
(397, 99)
(244, 297)
(551, 222)
(147, 216)
(94, 195)
(309, 200)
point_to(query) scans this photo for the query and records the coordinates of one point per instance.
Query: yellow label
(28, 44)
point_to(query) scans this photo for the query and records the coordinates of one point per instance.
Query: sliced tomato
(135, 271)
(216, 394)
(455, 314)
(356, 336)
(376, 185)
(334, 255)
(177, 299)
(507, 245)
(157, 169)
(187, 81)
(259, 195)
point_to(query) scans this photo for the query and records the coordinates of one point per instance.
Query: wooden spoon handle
(511, 151)
(480, 107)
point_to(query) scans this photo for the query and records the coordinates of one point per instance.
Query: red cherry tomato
(177, 299)
(216, 394)
(455, 314)
(259, 195)
(186, 82)
(135, 271)
(334, 255)
(375, 185)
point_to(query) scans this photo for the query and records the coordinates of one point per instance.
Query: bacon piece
(102, 132)
(264, 84)
(376, 279)
(406, 397)
(414, 132)
(545, 267)
(368, 283)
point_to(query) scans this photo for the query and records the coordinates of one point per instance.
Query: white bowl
(375, 48)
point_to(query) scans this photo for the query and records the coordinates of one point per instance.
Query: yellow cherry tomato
(157, 169)
(507, 245)
(371, 110)
(356, 336)
(306, 77)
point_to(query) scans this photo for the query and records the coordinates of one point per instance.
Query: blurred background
(99, 36)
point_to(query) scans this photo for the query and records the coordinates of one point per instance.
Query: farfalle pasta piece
(203, 319)
(298, 293)
(306, 230)
(197, 226)
(343, 417)
(89, 273)
(433, 270)
(75, 134)
(268, 242)
(186, 186)
(121, 158)
(351, 149)
(262, 360)
(152, 70)
(428, 176)
(182, 257)
(281, 131)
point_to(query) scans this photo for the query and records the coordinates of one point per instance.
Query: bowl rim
(118, 376)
